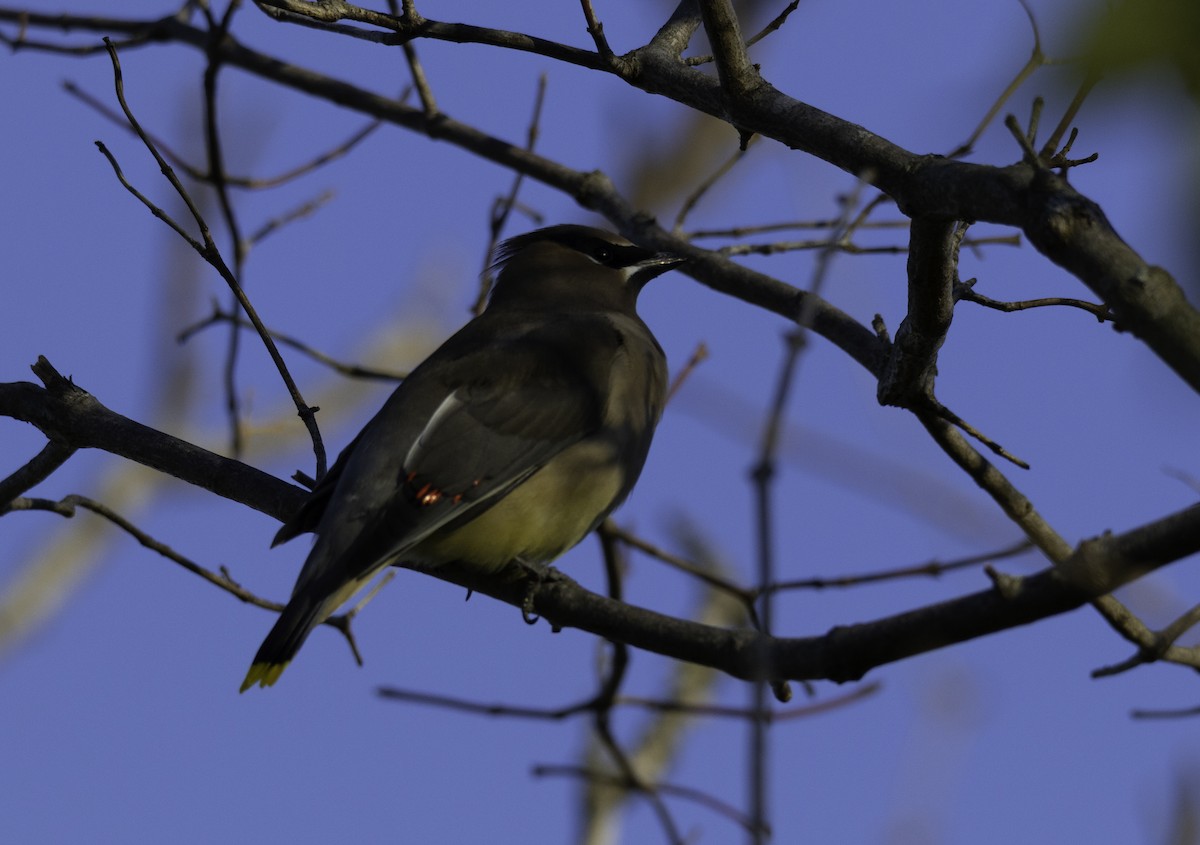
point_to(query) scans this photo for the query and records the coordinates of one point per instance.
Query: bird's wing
(476, 419)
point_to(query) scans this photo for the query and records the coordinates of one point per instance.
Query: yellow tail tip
(263, 674)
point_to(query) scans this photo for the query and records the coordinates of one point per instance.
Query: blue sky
(122, 714)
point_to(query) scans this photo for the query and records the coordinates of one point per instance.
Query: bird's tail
(291, 629)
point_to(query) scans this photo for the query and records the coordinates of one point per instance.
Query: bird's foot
(538, 574)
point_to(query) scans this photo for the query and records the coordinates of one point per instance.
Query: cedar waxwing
(511, 442)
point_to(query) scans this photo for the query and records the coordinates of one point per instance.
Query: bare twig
(1036, 60)
(765, 228)
(933, 568)
(350, 370)
(1161, 646)
(596, 30)
(53, 455)
(784, 714)
(420, 82)
(630, 778)
(218, 30)
(631, 784)
(1050, 148)
(698, 356)
(68, 505)
(703, 188)
(342, 620)
(849, 248)
(1185, 713)
(276, 223)
(737, 74)
(775, 24)
(702, 573)
(614, 567)
(965, 291)
(997, 449)
(504, 206)
(762, 476)
(209, 252)
(468, 706)
(245, 182)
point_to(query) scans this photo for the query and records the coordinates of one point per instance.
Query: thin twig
(217, 32)
(596, 30)
(244, 182)
(762, 476)
(1026, 517)
(953, 418)
(682, 564)
(209, 252)
(683, 792)
(614, 568)
(1161, 643)
(420, 81)
(342, 622)
(68, 505)
(933, 568)
(467, 706)
(703, 188)
(849, 248)
(504, 206)
(836, 702)
(1165, 714)
(631, 780)
(1085, 88)
(21, 42)
(766, 228)
(776, 23)
(1036, 60)
(698, 356)
(350, 370)
(763, 33)
(276, 223)
(966, 292)
(53, 455)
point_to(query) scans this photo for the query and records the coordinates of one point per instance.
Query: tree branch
(1067, 227)
(737, 75)
(72, 416)
(932, 271)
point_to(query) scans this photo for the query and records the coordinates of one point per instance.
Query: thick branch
(737, 75)
(1067, 227)
(76, 419)
(847, 653)
(932, 271)
(73, 417)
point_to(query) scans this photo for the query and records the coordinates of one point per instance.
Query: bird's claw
(537, 576)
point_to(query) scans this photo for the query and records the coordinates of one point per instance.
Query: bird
(510, 443)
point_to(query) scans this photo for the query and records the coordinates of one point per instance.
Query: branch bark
(73, 417)
(1067, 227)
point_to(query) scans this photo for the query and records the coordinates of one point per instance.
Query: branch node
(1008, 587)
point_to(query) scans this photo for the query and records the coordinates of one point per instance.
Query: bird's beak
(654, 266)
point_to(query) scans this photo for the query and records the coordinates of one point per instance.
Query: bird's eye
(602, 253)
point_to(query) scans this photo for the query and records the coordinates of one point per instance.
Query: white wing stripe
(449, 405)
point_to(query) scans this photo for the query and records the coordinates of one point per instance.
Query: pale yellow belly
(538, 520)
